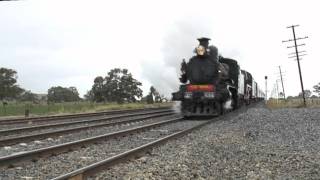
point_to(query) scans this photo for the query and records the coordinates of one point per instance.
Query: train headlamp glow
(200, 50)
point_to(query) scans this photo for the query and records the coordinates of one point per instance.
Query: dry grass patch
(18, 109)
(293, 103)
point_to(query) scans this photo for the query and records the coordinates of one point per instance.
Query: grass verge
(293, 103)
(18, 109)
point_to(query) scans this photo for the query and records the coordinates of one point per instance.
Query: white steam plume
(177, 107)
(178, 43)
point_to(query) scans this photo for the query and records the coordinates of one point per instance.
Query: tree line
(117, 86)
(308, 93)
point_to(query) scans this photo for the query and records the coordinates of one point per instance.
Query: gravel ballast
(50, 167)
(257, 144)
(81, 134)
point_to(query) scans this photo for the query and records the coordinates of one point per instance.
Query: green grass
(18, 109)
(293, 103)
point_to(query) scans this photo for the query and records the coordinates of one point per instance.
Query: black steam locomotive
(212, 84)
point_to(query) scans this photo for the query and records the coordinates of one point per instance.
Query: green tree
(73, 94)
(28, 96)
(307, 93)
(89, 96)
(98, 89)
(314, 96)
(317, 88)
(8, 87)
(158, 98)
(118, 86)
(290, 97)
(61, 94)
(154, 96)
(150, 96)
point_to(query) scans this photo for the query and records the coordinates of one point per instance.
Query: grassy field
(18, 109)
(293, 103)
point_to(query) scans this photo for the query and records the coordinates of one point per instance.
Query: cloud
(71, 42)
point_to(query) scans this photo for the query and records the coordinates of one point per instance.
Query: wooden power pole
(297, 56)
(284, 95)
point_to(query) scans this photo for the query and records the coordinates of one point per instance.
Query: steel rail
(80, 115)
(85, 172)
(10, 160)
(61, 124)
(27, 138)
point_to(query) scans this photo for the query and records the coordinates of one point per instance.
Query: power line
(295, 52)
(296, 56)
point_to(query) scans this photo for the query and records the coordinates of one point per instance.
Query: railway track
(69, 116)
(92, 169)
(81, 159)
(73, 123)
(43, 135)
(143, 138)
(10, 160)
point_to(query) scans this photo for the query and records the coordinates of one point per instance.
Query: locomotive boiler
(209, 83)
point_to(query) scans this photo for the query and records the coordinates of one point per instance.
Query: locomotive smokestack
(204, 42)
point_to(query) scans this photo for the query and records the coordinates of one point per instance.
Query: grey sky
(69, 43)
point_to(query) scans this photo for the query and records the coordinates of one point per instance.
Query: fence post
(4, 103)
(26, 110)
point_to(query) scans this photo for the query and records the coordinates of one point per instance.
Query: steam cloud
(178, 43)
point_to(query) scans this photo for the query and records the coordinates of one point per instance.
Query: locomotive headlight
(200, 50)
(188, 95)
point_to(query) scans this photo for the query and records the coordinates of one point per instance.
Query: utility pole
(277, 89)
(297, 56)
(284, 95)
(266, 78)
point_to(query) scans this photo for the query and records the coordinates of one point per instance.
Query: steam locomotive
(212, 85)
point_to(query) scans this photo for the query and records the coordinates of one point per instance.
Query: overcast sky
(69, 43)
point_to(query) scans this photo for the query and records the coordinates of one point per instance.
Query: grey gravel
(257, 144)
(68, 137)
(57, 165)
